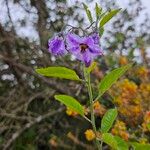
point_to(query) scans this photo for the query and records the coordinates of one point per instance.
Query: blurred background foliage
(30, 118)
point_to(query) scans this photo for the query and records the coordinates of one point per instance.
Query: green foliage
(138, 146)
(88, 12)
(108, 120)
(121, 144)
(148, 126)
(114, 142)
(32, 93)
(108, 17)
(60, 72)
(71, 103)
(111, 78)
(108, 138)
(91, 67)
(101, 31)
(98, 10)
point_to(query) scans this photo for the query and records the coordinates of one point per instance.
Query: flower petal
(57, 46)
(73, 40)
(88, 41)
(76, 52)
(95, 37)
(86, 58)
(96, 50)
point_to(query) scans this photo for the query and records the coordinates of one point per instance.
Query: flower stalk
(88, 83)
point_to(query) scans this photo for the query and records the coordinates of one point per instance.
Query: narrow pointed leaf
(59, 72)
(71, 103)
(88, 13)
(111, 78)
(108, 17)
(98, 10)
(108, 120)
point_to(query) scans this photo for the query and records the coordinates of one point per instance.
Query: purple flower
(84, 48)
(56, 46)
(95, 37)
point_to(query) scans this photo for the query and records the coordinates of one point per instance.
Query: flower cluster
(99, 109)
(89, 134)
(144, 90)
(132, 100)
(146, 123)
(85, 49)
(73, 113)
(142, 72)
(120, 130)
(128, 101)
(70, 112)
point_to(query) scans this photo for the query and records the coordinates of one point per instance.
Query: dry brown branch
(78, 142)
(30, 71)
(29, 125)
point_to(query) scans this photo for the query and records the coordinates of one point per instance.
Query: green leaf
(108, 120)
(111, 78)
(108, 16)
(101, 31)
(103, 14)
(148, 126)
(91, 67)
(88, 13)
(114, 141)
(60, 72)
(71, 103)
(98, 10)
(109, 139)
(138, 146)
(121, 144)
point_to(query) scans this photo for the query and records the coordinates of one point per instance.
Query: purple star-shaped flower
(95, 37)
(84, 48)
(56, 46)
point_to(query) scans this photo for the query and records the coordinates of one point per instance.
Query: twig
(13, 116)
(29, 125)
(9, 15)
(30, 71)
(77, 141)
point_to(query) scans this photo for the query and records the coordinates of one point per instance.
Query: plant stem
(88, 83)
